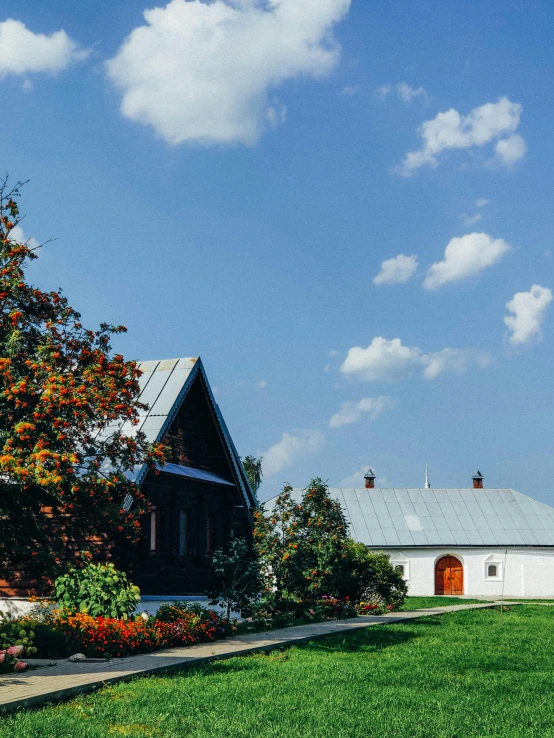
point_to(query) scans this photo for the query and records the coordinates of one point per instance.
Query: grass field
(451, 676)
(417, 603)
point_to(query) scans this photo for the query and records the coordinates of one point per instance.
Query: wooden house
(200, 499)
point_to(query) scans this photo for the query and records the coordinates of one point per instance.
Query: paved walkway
(64, 679)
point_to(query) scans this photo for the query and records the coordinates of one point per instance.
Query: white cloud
(471, 219)
(387, 361)
(397, 270)
(383, 91)
(509, 150)
(465, 257)
(261, 384)
(529, 312)
(202, 72)
(407, 93)
(17, 235)
(290, 448)
(357, 479)
(403, 91)
(351, 412)
(382, 360)
(350, 90)
(481, 202)
(450, 130)
(23, 52)
(453, 360)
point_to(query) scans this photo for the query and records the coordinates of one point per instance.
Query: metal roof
(191, 473)
(392, 518)
(163, 387)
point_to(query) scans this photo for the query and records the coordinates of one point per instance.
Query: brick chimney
(478, 480)
(369, 479)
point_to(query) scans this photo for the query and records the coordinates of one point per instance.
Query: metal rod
(503, 581)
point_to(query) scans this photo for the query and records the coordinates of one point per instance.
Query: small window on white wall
(493, 569)
(398, 560)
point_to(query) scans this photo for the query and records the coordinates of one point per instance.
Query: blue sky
(227, 180)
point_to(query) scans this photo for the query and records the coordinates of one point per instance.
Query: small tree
(302, 546)
(253, 470)
(238, 575)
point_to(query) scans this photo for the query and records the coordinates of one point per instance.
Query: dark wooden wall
(194, 441)
(165, 571)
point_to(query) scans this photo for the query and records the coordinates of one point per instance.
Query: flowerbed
(61, 632)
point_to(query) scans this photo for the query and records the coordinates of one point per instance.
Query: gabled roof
(163, 387)
(385, 518)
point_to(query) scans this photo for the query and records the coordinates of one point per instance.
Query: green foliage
(301, 546)
(253, 470)
(97, 589)
(51, 643)
(238, 575)
(370, 577)
(306, 553)
(14, 633)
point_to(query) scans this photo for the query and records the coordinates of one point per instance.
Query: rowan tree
(63, 395)
(302, 546)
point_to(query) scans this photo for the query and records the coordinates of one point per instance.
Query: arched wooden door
(449, 576)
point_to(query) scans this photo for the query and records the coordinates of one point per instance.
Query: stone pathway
(64, 679)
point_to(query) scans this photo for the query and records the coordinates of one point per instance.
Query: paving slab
(60, 680)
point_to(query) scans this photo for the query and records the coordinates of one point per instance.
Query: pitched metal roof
(163, 387)
(392, 518)
(190, 473)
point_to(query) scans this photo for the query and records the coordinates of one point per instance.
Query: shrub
(16, 639)
(370, 577)
(14, 633)
(200, 620)
(97, 589)
(301, 546)
(237, 571)
(51, 643)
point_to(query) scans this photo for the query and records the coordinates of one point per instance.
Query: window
(153, 529)
(182, 532)
(401, 563)
(209, 534)
(493, 569)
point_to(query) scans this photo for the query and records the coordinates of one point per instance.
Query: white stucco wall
(527, 572)
(15, 606)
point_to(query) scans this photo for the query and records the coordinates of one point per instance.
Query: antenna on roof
(427, 485)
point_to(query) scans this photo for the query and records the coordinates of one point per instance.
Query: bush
(97, 589)
(206, 624)
(301, 546)
(370, 578)
(239, 581)
(51, 643)
(16, 639)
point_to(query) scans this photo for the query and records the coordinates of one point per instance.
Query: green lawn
(418, 603)
(451, 676)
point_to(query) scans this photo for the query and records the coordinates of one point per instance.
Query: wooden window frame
(154, 533)
(182, 539)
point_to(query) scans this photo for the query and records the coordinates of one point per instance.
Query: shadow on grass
(371, 639)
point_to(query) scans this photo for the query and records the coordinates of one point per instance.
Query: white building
(456, 541)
